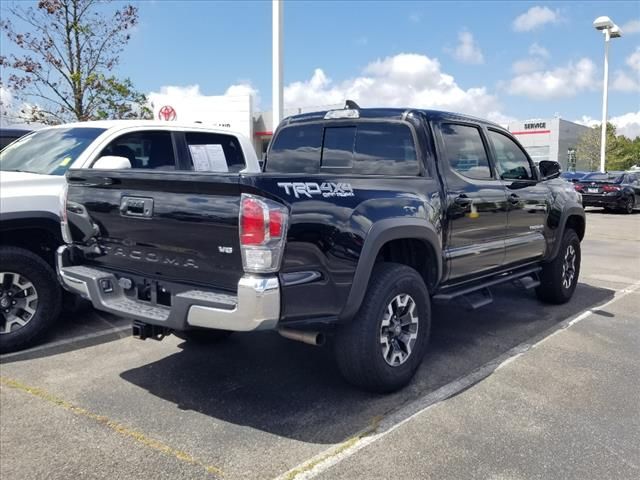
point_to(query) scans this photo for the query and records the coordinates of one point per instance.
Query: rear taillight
(252, 222)
(610, 188)
(263, 226)
(578, 187)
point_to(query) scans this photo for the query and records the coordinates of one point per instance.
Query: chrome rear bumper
(255, 307)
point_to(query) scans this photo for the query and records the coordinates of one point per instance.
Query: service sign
(535, 125)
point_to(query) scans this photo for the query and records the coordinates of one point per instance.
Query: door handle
(136, 207)
(514, 199)
(462, 200)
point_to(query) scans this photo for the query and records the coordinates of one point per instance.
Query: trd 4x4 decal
(309, 189)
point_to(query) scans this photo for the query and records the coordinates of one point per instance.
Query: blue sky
(464, 55)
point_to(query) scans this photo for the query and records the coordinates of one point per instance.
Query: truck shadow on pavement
(292, 390)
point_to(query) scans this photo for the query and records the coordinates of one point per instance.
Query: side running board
(478, 294)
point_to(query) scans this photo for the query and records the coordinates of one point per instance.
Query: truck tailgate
(180, 227)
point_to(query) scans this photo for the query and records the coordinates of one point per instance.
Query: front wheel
(559, 277)
(381, 348)
(30, 298)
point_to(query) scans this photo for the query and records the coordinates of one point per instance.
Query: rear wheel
(30, 298)
(383, 345)
(627, 206)
(203, 336)
(559, 277)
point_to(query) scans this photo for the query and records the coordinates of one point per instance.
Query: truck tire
(30, 298)
(559, 277)
(381, 348)
(203, 336)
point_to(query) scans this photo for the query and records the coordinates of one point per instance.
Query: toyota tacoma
(360, 219)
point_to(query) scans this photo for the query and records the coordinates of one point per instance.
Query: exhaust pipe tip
(310, 338)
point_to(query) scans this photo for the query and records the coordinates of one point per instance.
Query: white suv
(32, 181)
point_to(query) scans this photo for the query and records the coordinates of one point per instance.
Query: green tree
(64, 70)
(588, 148)
(621, 153)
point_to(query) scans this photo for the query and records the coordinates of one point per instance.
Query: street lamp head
(602, 23)
(615, 32)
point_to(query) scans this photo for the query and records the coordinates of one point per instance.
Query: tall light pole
(276, 67)
(610, 30)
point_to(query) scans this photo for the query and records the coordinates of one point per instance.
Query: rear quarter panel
(327, 232)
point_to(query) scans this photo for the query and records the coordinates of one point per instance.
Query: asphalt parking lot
(515, 390)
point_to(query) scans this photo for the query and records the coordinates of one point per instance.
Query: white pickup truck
(32, 184)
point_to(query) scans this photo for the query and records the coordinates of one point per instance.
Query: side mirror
(549, 169)
(112, 162)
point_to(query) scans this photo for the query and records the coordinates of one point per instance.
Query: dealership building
(547, 139)
(552, 139)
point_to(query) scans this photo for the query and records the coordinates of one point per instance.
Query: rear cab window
(214, 152)
(361, 148)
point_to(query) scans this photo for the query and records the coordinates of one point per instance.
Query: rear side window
(152, 150)
(465, 151)
(296, 150)
(365, 148)
(214, 152)
(385, 149)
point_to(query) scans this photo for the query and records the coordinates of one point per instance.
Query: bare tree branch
(69, 49)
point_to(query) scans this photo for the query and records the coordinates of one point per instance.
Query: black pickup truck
(360, 219)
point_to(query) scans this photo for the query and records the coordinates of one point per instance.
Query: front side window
(511, 162)
(48, 152)
(465, 151)
(149, 150)
(214, 152)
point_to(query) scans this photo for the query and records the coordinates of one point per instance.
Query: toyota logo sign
(167, 113)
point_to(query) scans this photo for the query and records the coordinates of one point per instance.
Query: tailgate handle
(136, 207)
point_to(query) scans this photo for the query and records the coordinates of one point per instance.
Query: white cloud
(631, 27)
(627, 124)
(537, 50)
(191, 92)
(415, 18)
(467, 50)
(406, 79)
(633, 60)
(6, 97)
(527, 65)
(6, 106)
(534, 18)
(564, 81)
(535, 62)
(623, 82)
(587, 121)
(241, 89)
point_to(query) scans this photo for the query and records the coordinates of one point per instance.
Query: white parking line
(334, 455)
(67, 341)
